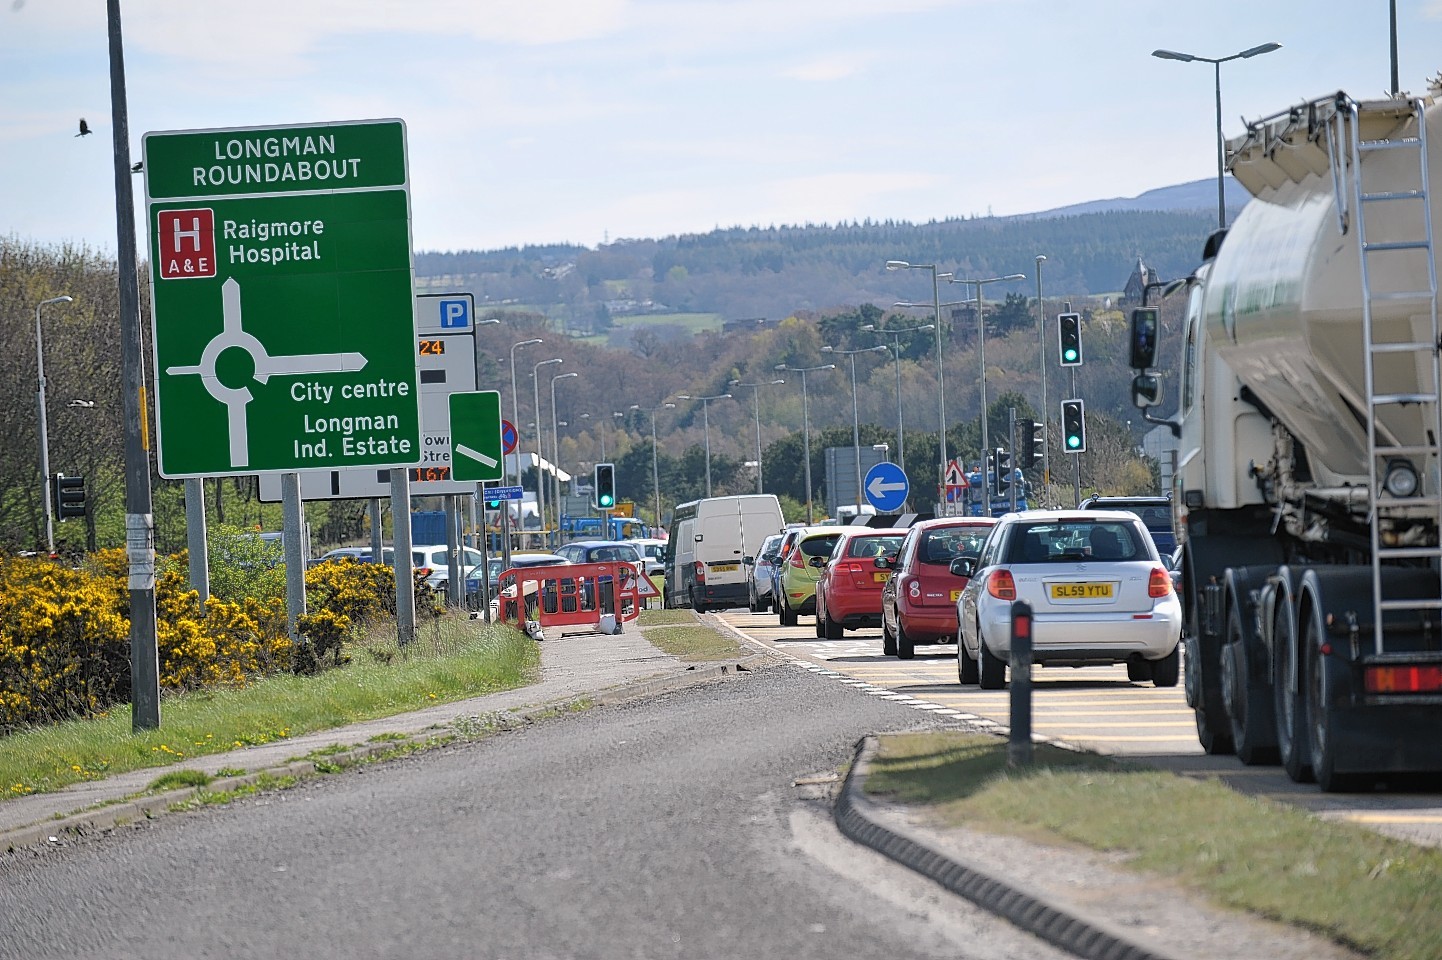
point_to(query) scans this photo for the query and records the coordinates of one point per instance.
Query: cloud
(827, 69)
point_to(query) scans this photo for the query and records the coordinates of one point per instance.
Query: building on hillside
(745, 325)
(1136, 286)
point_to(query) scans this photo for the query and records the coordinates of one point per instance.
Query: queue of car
(1100, 589)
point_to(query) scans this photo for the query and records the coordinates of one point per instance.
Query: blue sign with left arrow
(886, 487)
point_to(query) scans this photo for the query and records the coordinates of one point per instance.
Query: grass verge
(1370, 892)
(450, 660)
(676, 632)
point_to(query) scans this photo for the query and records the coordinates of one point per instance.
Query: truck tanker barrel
(1286, 291)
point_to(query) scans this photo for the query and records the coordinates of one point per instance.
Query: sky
(590, 121)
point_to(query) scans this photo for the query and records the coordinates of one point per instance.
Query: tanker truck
(1307, 491)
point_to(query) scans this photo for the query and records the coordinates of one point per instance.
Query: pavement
(1081, 901)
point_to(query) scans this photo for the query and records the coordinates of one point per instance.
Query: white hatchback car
(1099, 593)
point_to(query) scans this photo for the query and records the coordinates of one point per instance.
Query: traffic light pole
(1076, 457)
(1015, 462)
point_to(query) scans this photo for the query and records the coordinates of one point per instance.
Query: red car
(848, 595)
(918, 604)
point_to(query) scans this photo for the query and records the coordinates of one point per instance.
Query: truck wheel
(1324, 741)
(967, 670)
(1246, 700)
(992, 672)
(1289, 710)
(1213, 732)
(1168, 670)
(888, 639)
(905, 649)
(697, 603)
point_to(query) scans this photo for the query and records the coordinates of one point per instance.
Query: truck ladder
(1383, 261)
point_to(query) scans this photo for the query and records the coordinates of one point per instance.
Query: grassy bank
(1370, 892)
(451, 659)
(676, 632)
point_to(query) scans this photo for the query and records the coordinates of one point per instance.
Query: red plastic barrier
(570, 594)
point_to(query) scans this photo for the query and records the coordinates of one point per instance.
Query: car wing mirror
(749, 561)
(963, 566)
(882, 562)
(817, 562)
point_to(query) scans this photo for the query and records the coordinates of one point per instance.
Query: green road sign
(281, 299)
(476, 436)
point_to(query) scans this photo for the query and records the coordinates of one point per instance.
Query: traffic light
(1073, 426)
(1069, 329)
(605, 485)
(1031, 443)
(69, 496)
(1002, 477)
(492, 502)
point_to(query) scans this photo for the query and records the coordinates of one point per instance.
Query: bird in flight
(84, 128)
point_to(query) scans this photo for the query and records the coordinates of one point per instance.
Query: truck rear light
(1001, 585)
(700, 572)
(1408, 679)
(1160, 584)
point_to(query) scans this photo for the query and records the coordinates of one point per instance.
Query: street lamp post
(981, 352)
(756, 396)
(655, 471)
(706, 427)
(540, 452)
(44, 429)
(855, 415)
(940, 365)
(1041, 340)
(1216, 63)
(516, 400)
(806, 426)
(556, 447)
(896, 335)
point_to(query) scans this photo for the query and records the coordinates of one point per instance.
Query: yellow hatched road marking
(1365, 817)
(1072, 724)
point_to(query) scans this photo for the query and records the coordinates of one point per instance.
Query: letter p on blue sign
(455, 315)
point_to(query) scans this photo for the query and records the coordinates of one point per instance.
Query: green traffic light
(1070, 355)
(1073, 442)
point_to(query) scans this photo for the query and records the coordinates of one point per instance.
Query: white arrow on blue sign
(886, 487)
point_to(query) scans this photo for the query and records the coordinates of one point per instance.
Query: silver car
(758, 590)
(1099, 593)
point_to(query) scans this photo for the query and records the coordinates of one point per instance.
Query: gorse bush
(64, 634)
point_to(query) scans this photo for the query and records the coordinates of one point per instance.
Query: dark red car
(848, 595)
(918, 604)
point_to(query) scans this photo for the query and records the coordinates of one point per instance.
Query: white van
(707, 540)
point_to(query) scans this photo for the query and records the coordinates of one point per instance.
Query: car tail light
(855, 568)
(1405, 679)
(423, 571)
(1001, 585)
(797, 559)
(700, 572)
(1160, 584)
(914, 589)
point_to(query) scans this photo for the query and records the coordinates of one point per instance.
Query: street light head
(683, 396)
(779, 366)
(778, 380)
(733, 383)
(1173, 55)
(562, 376)
(880, 348)
(63, 298)
(668, 406)
(869, 327)
(897, 265)
(828, 348)
(481, 323)
(829, 366)
(1015, 276)
(1040, 257)
(1259, 49)
(927, 326)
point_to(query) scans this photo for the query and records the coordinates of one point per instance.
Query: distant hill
(773, 272)
(1196, 195)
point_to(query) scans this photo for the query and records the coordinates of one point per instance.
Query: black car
(1155, 512)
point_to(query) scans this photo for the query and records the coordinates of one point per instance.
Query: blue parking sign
(455, 314)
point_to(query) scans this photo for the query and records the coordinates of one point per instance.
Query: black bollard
(1018, 748)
